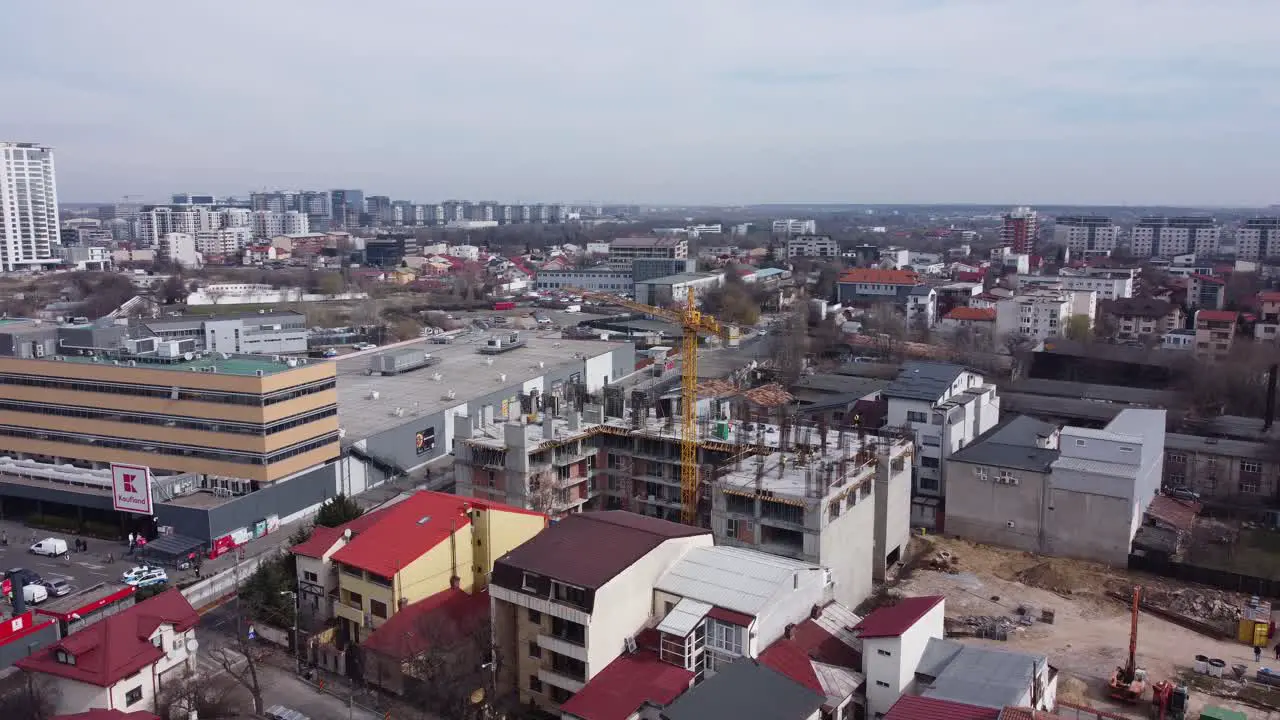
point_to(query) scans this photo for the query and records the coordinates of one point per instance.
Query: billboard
(131, 488)
(425, 441)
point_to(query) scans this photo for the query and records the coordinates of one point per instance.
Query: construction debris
(993, 627)
(1047, 576)
(771, 395)
(944, 561)
(1207, 604)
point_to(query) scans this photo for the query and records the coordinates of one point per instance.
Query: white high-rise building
(1086, 235)
(270, 224)
(791, 226)
(1166, 237)
(29, 227)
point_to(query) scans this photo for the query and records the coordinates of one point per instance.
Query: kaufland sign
(131, 488)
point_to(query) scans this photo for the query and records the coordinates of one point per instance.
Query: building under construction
(839, 497)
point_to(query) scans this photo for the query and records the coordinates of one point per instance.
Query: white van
(52, 547)
(34, 594)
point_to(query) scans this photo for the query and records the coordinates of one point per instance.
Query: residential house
(565, 603)
(922, 307)
(451, 627)
(1142, 317)
(824, 654)
(1205, 291)
(1267, 305)
(122, 661)
(984, 677)
(978, 323)
(1215, 331)
(894, 639)
(420, 546)
(865, 286)
(317, 579)
(1070, 491)
(945, 407)
(747, 689)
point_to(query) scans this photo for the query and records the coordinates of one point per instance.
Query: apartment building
(227, 241)
(945, 407)
(1019, 230)
(843, 503)
(1086, 236)
(566, 603)
(1141, 318)
(1066, 491)
(93, 395)
(922, 307)
(1215, 331)
(624, 250)
(1164, 237)
(178, 248)
(1258, 239)
(425, 544)
(1223, 471)
(265, 224)
(820, 246)
(1038, 315)
(29, 224)
(1267, 326)
(791, 226)
(1107, 286)
(1205, 291)
(123, 661)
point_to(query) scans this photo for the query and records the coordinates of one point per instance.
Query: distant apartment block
(29, 226)
(1086, 235)
(623, 250)
(1018, 230)
(178, 248)
(1267, 326)
(821, 246)
(791, 226)
(1258, 239)
(1165, 237)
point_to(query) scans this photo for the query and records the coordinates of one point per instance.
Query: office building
(791, 226)
(1258, 239)
(645, 269)
(1165, 237)
(821, 246)
(605, 280)
(868, 286)
(1019, 230)
(387, 251)
(1086, 236)
(29, 226)
(379, 210)
(623, 250)
(345, 208)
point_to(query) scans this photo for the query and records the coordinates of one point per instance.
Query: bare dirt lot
(1090, 633)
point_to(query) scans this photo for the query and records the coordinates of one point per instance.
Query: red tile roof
(411, 527)
(625, 684)
(101, 714)
(322, 538)
(1209, 279)
(893, 620)
(914, 707)
(966, 276)
(789, 659)
(968, 313)
(1217, 315)
(882, 277)
(117, 646)
(446, 617)
(1179, 514)
(588, 549)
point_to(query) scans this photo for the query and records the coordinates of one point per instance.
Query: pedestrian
(130, 541)
(1257, 653)
(1278, 651)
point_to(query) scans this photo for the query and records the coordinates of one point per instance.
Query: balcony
(558, 645)
(552, 677)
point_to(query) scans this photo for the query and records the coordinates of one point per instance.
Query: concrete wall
(982, 510)
(1088, 525)
(847, 544)
(892, 508)
(790, 606)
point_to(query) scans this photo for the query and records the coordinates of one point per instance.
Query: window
(534, 650)
(930, 440)
(980, 473)
(133, 696)
(535, 617)
(928, 483)
(881, 683)
(1126, 449)
(378, 609)
(355, 599)
(915, 416)
(569, 667)
(1080, 443)
(310, 576)
(1250, 484)
(569, 631)
(928, 462)
(535, 685)
(1174, 457)
(560, 695)
(833, 509)
(885, 653)
(1247, 466)
(724, 636)
(569, 594)
(529, 581)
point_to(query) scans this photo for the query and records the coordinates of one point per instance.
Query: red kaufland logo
(129, 479)
(132, 488)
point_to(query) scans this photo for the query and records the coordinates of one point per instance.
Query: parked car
(50, 547)
(331, 353)
(34, 594)
(24, 576)
(146, 577)
(1182, 493)
(58, 588)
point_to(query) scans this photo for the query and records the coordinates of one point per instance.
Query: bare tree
(207, 698)
(241, 659)
(34, 698)
(455, 670)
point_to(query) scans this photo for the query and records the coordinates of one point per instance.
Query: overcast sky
(654, 101)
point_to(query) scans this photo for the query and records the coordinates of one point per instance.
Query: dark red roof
(627, 683)
(1217, 315)
(893, 620)
(118, 645)
(446, 617)
(411, 527)
(824, 647)
(322, 538)
(589, 549)
(789, 659)
(732, 617)
(914, 707)
(101, 714)
(1209, 279)
(1178, 514)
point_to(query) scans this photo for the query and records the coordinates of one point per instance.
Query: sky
(654, 102)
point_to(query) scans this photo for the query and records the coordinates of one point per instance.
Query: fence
(211, 591)
(1223, 579)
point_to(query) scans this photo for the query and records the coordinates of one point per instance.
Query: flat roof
(678, 278)
(233, 365)
(462, 370)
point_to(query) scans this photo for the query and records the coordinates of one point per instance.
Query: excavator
(1128, 683)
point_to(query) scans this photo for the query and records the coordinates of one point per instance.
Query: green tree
(1078, 328)
(267, 594)
(337, 511)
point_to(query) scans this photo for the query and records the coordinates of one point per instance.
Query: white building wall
(599, 371)
(896, 670)
(77, 697)
(29, 227)
(847, 546)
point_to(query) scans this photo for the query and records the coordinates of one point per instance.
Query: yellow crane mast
(693, 321)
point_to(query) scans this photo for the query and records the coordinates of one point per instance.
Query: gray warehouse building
(261, 333)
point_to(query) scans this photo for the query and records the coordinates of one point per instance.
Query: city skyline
(713, 103)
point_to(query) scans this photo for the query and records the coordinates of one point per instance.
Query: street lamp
(297, 648)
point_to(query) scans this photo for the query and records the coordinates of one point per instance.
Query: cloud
(728, 101)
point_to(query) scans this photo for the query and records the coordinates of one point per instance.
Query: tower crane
(693, 321)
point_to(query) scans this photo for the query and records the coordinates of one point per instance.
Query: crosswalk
(209, 663)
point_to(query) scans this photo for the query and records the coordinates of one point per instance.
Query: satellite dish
(188, 356)
(192, 645)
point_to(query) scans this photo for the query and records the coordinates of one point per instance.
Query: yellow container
(1244, 632)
